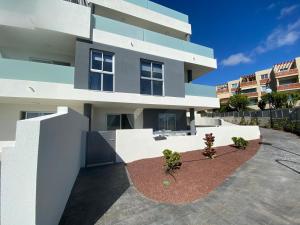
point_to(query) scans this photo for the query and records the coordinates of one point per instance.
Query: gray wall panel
(127, 69)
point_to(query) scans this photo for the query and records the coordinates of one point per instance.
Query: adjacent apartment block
(122, 63)
(283, 77)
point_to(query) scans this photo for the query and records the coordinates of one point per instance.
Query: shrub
(253, 121)
(172, 160)
(209, 142)
(238, 102)
(243, 121)
(240, 142)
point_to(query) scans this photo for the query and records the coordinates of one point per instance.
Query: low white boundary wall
(138, 144)
(38, 174)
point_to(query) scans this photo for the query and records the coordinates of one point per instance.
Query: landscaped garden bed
(197, 176)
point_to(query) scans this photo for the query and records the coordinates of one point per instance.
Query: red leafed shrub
(209, 141)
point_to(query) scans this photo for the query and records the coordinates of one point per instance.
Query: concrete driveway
(266, 190)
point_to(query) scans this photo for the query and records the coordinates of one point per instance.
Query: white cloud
(287, 11)
(271, 6)
(236, 59)
(280, 37)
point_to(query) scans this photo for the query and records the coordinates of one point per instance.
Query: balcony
(33, 71)
(222, 90)
(248, 83)
(127, 30)
(290, 72)
(200, 90)
(286, 87)
(160, 9)
(264, 81)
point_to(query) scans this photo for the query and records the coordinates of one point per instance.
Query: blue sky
(246, 35)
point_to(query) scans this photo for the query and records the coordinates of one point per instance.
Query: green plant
(253, 121)
(243, 121)
(278, 99)
(292, 99)
(239, 102)
(172, 160)
(209, 142)
(240, 142)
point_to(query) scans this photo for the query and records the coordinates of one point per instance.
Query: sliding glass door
(167, 121)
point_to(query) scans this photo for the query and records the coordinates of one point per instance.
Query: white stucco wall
(138, 144)
(53, 91)
(99, 117)
(11, 113)
(37, 175)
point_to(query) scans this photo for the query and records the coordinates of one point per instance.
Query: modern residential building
(283, 77)
(122, 63)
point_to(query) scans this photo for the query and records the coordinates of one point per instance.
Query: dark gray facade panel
(150, 118)
(127, 69)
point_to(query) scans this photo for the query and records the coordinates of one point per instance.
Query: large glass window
(119, 121)
(29, 115)
(152, 78)
(166, 121)
(101, 71)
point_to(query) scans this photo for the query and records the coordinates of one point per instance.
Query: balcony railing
(222, 90)
(200, 90)
(27, 70)
(287, 73)
(124, 29)
(264, 81)
(285, 87)
(249, 83)
(160, 9)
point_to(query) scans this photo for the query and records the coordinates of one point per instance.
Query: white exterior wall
(53, 91)
(138, 144)
(152, 49)
(99, 117)
(11, 113)
(37, 175)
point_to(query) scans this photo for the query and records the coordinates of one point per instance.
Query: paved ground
(264, 191)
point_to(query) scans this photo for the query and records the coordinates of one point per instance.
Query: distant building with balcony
(283, 77)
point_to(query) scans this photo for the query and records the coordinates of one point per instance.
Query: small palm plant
(209, 142)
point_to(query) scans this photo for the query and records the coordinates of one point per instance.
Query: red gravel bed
(196, 178)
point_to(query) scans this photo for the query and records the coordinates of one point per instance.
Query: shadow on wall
(95, 191)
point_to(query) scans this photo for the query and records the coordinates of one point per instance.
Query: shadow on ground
(95, 191)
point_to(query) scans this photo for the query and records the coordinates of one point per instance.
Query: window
(288, 80)
(152, 78)
(119, 121)
(264, 76)
(29, 115)
(166, 121)
(234, 85)
(250, 90)
(101, 71)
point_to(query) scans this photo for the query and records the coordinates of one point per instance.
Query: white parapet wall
(37, 175)
(139, 144)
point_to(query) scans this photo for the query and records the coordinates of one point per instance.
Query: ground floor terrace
(262, 191)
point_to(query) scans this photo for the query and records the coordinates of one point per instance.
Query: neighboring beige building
(283, 77)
